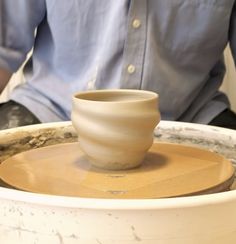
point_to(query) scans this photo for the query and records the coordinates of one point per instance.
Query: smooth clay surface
(115, 127)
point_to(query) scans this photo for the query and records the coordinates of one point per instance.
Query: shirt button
(136, 23)
(131, 69)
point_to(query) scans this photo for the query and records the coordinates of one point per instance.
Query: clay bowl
(37, 218)
(115, 127)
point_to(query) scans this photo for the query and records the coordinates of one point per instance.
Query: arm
(18, 21)
(232, 33)
(4, 78)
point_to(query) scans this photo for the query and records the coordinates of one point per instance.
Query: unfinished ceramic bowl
(115, 127)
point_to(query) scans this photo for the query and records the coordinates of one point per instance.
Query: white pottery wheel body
(33, 218)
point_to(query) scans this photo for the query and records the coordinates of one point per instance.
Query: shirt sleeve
(232, 33)
(18, 22)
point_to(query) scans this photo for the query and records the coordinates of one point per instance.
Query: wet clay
(115, 126)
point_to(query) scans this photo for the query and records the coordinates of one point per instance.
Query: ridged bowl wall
(115, 127)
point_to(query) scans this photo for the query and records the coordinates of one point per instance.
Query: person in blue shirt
(174, 48)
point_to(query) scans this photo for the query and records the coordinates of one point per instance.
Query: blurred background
(229, 84)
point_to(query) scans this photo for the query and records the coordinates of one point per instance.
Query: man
(174, 48)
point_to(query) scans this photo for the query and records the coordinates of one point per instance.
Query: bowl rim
(117, 204)
(150, 95)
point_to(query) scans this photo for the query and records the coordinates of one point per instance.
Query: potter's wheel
(168, 170)
(27, 217)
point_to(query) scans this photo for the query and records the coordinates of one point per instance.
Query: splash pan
(28, 217)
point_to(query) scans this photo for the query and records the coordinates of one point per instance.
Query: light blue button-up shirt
(172, 47)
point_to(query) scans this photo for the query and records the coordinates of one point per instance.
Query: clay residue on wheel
(22, 140)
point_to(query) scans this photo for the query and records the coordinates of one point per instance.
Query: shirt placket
(135, 43)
